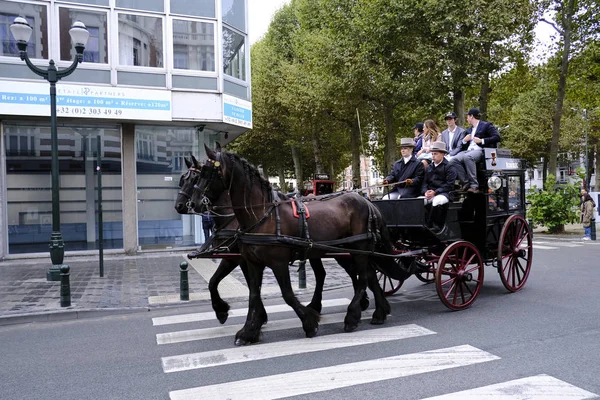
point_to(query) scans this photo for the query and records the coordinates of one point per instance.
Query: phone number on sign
(88, 111)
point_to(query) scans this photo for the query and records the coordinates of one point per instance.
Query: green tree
(554, 206)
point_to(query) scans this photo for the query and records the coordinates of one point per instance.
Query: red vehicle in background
(320, 185)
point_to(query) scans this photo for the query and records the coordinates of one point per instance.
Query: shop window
(234, 54)
(193, 45)
(514, 192)
(96, 48)
(36, 16)
(141, 40)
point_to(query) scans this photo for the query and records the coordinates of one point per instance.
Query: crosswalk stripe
(339, 376)
(537, 246)
(539, 387)
(238, 312)
(207, 359)
(559, 244)
(220, 331)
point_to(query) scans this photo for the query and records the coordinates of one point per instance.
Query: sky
(260, 13)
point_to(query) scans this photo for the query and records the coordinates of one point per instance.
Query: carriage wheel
(459, 275)
(389, 285)
(515, 253)
(429, 266)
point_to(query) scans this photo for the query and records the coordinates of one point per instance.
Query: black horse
(226, 227)
(267, 238)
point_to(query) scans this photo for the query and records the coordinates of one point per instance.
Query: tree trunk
(562, 83)
(459, 106)
(390, 154)
(597, 180)
(297, 168)
(544, 171)
(355, 146)
(282, 185)
(317, 149)
(483, 96)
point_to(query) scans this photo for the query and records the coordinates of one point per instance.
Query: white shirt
(473, 145)
(406, 160)
(451, 138)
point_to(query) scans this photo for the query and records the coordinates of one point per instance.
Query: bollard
(530, 223)
(184, 285)
(593, 229)
(302, 275)
(65, 286)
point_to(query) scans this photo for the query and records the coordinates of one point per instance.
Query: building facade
(369, 177)
(159, 80)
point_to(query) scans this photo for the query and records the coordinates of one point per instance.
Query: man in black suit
(452, 136)
(437, 186)
(481, 134)
(408, 171)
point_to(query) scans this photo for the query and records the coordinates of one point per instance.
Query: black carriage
(485, 228)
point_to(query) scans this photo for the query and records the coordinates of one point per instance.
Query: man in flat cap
(407, 171)
(481, 134)
(452, 136)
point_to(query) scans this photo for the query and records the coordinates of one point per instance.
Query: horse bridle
(215, 171)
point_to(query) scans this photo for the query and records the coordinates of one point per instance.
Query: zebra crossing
(312, 381)
(557, 244)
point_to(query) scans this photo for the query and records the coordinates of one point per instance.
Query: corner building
(159, 79)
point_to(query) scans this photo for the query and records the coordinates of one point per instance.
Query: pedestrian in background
(587, 213)
(208, 224)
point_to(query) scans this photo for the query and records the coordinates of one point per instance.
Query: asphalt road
(548, 332)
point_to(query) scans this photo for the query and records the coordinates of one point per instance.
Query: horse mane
(251, 175)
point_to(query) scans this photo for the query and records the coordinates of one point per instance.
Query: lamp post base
(57, 255)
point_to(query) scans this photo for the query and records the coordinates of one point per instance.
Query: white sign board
(237, 111)
(85, 101)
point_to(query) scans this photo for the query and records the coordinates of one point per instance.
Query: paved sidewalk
(130, 283)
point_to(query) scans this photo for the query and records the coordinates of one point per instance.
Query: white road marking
(220, 331)
(539, 387)
(338, 376)
(537, 246)
(238, 312)
(559, 244)
(207, 359)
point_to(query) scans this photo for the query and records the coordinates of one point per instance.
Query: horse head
(209, 185)
(186, 185)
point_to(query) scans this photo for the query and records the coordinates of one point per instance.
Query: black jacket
(486, 131)
(414, 170)
(440, 179)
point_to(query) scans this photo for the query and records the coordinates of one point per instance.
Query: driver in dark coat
(408, 172)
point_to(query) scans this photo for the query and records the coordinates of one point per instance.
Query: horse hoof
(350, 328)
(377, 321)
(222, 317)
(240, 342)
(312, 333)
(317, 307)
(364, 303)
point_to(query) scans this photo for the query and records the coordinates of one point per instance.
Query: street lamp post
(587, 165)
(21, 31)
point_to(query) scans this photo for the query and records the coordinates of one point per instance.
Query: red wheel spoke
(475, 268)
(468, 288)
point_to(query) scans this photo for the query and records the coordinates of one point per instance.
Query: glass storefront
(29, 188)
(160, 152)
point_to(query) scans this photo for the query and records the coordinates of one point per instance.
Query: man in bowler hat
(437, 187)
(481, 134)
(407, 171)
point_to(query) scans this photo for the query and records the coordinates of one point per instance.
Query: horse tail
(383, 244)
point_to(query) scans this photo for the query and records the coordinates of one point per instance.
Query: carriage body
(488, 228)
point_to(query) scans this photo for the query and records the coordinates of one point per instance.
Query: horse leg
(250, 332)
(220, 306)
(319, 271)
(382, 305)
(308, 316)
(347, 265)
(244, 268)
(360, 264)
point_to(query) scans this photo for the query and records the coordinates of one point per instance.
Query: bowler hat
(450, 115)
(407, 142)
(419, 126)
(474, 112)
(438, 146)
